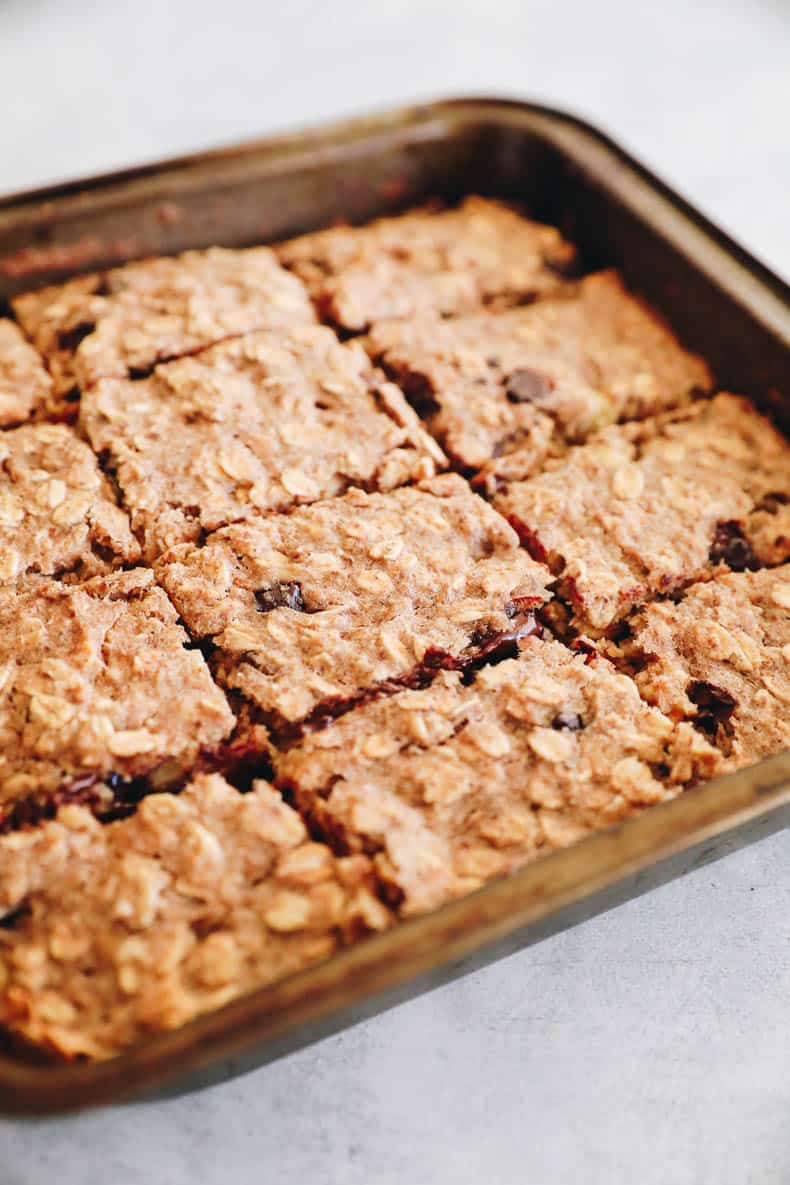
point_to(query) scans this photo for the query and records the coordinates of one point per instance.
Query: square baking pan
(723, 303)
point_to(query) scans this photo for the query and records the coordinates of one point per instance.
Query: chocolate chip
(69, 339)
(287, 595)
(716, 706)
(32, 811)
(528, 386)
(567, 722)
(730, 546)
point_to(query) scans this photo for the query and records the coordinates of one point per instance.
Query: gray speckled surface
(651, 1044)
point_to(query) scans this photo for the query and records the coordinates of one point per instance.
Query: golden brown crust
(641, 509)
(96, 679)
(428, 262)
(454, 784)
(502, 391)
(116, 932)
(57, 510)
(25, 386)
(344, 595)
(258, 424)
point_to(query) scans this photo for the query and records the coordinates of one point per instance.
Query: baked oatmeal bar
(642, 509)
(256, 424)
(116, 932)
(452, 785)
(720, 657)
(97, 680)
(125, 320)
(57, 510)
(25, 386)
(428, 261)
(341, 596)
(501, 391)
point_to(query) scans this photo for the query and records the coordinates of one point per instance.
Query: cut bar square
(502, 391)
(720, 658)
(126, 320)
(342, 596)
(257, 424)
(57, 510)
(97, 680)
(642, 509)
(427, 261)
(116, 932)
(452, 785)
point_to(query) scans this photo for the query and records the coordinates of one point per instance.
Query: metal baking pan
(723, 303)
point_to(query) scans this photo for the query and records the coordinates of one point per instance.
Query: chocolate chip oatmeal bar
(127, 319)
(25, 386)
(454, 784)
(256, 424)
(341, 597)
(501, 391)
(302, 635)
(428, 261)
(57, 509)
(97, 679)
(115, 932)
(720, 658)
(644, 508)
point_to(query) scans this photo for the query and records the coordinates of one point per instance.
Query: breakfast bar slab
(501, 391)
(452, 784)
(643, 508)
(112, 933)
(258, 424)
(429, 261)
(98, 679)
(125, 320)
(335, 599)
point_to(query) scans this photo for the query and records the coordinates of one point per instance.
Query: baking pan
(723, 303)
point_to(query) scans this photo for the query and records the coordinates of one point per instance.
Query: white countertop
(652, 1044)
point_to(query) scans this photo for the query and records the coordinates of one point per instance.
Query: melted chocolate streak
(83, 791)
(241, 759)
(484, 651)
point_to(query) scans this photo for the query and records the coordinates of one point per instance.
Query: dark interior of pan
(723, 304)
(560, 169)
